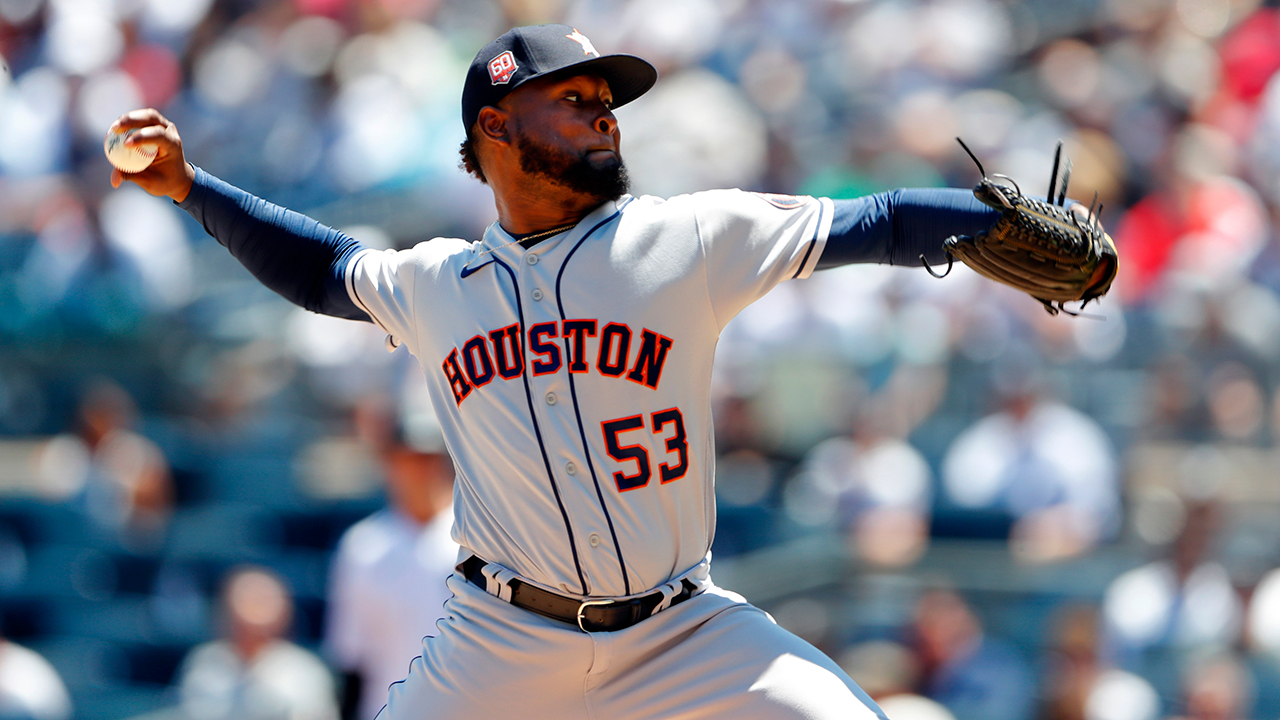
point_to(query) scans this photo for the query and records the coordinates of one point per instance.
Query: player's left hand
(169, 174)
(1055, 252)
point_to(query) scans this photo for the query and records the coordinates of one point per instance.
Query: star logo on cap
(587, 47)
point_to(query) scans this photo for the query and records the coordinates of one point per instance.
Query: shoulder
(368, 540)
(1152, 579)
(209, 655)
(439, 247)
(896, 453)
(426, 256)
(1062, 419)
(711, 209)
(22, 660)
(284, 654)
(996, 427)
(433, 250)
(712, 217)
(724, 198)
(833, 451)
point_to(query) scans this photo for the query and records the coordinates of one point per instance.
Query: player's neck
(539, 221)
(529, 209)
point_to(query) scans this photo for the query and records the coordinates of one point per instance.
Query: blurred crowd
(1030, 516)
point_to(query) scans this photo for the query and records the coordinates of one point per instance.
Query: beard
(600, 184)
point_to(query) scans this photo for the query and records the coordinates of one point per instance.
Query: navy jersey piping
(573, 393)
(546, 461)
(822, 210)
(355, 296)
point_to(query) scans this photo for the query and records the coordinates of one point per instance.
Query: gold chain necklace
(545, 233)
(535, 236)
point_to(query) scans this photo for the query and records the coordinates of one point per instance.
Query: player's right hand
(169, 174)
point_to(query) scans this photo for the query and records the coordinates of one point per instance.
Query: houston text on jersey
(608, 348)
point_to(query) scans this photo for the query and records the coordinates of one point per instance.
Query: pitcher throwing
(568, 354)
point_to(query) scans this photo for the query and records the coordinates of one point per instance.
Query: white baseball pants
(711, 657)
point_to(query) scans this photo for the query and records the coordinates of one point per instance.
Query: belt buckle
(583, 608)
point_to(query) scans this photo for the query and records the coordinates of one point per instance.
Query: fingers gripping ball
(127, 158)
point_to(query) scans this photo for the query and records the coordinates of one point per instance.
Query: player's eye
(573, 97)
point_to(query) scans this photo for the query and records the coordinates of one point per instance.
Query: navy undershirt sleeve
(288, 252)
(899, 226)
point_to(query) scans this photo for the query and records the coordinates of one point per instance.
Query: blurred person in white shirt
(1077, 683)
(30, 688)
(387, 583)
(120, 479)
(1184, 603)
(254, 673)
(874, 485)
(1217, 687)
(1049, 467)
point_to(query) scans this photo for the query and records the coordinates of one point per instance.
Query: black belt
(588, 615)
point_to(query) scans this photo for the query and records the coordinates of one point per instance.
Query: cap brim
(628, 76)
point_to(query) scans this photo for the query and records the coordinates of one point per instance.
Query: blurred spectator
(1262, 635)
(1201, 229)
(1176, 409)
(1050, 467)
(874, 486)
(30, 688)
(909, 706)
(1181, 604)
(1263, 620)
(1212, 388)
(387, 586)
(1078, 685)
(254, 673)
(882, 668)
(1072, 665)
(889, 674)
(118, 477)
(1121, 695)
(1217, 687)
(746, 473)
(975, 676)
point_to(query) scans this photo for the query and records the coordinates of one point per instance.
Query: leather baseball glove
(1054, 253)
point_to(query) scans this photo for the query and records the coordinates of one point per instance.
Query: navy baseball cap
(525, 53)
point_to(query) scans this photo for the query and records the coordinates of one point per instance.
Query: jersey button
(531, 258)
(594, 540)
(537, 294)
(551, 398)
(571, 468)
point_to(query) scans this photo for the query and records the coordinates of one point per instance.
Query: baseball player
(568, 354)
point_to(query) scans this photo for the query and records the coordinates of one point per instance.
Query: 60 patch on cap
(502, 68)
(526, 53)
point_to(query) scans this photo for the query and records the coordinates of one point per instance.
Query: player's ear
(492, 124)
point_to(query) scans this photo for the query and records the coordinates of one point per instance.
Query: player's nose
(607, 123)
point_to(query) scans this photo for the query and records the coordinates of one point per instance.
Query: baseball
(123, 157)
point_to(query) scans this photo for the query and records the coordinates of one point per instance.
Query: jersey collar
(498, 243)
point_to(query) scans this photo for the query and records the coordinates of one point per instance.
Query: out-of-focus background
(981, 511)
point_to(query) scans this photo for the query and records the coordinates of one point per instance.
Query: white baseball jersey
(572, 379)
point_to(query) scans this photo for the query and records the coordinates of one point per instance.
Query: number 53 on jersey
(669, 425)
